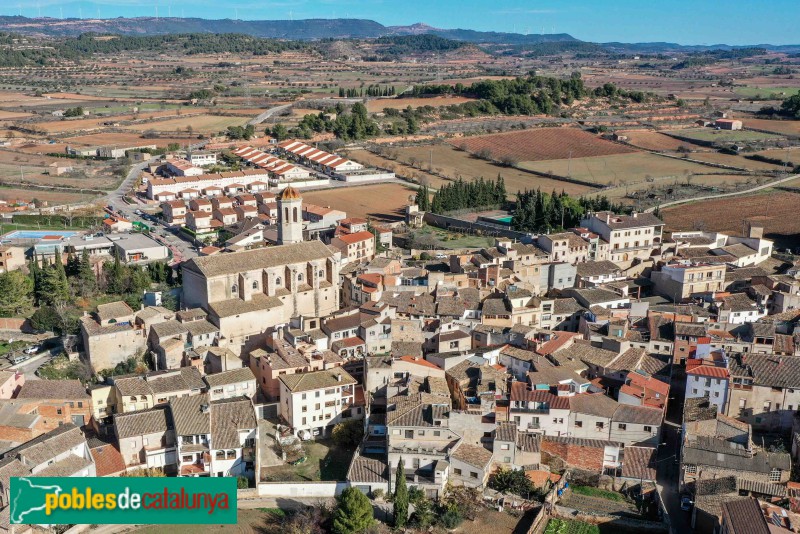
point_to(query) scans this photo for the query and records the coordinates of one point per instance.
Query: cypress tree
(400, 510)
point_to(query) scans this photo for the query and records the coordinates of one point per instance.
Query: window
(599, 425)
(299, 277)
(507, 459)
(775, 475)
(691, 469)
(623, 426)
(58, 411)
(437, 433)
(278, 281)
(234, 288)
(767, 405)
(578, 424)
(80, 404)
(648, 428)
(321, 274)
(255, 284)
(473, 474)
(504, 447)
(457, 471)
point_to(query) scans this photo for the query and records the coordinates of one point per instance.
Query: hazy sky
(681, 21)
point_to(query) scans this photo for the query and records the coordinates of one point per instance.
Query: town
(381, 314)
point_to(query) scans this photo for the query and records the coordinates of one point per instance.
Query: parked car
(18, 359)
(686, 503)
(304, 435)
(33, 349)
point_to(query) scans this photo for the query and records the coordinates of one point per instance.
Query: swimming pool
(504, 220)
(37, 234)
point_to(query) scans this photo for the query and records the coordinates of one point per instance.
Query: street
(182, 250)
(668, 472)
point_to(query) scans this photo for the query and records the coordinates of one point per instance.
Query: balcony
(534, 426)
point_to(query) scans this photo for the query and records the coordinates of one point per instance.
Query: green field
(325, 461)
(725, 136)
(766, 92)
(570, 526)
(438, 239)
(599, 493)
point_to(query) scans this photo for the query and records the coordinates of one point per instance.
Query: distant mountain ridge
(313, 29)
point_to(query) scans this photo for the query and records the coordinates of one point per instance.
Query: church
(247, 294)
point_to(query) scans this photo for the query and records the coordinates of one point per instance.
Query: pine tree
(36, 276)
(353, 513)
(400, 509)
(60, 289)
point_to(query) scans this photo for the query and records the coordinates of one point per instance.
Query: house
(64, 392)
(630, 237)
(317, 400)
(765, 390)
(11, 258)
(535, 410)
(513, 448)
(107, 459)
(140, 248)
(117, 224)
(10, 383)
(214, 438)
(146, 439)
(593, 273)
(181, 167)
(641, 389)
(201, 159)
(680, 281)
(470, 466)
(357, 247)
(737, 308)
(636, 425)
(566, 247)
(62, 452)
(418, 426)
(728, 124)
(709, 381)
(174, 212)
(590, 415)
(229, 384)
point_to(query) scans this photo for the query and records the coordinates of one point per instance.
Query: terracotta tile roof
(744, 516)
(368, 469)
(473, 455)
(188, 415)
(154, 421)
(593, 404)
(230, 377)
(710, 371)
(247, 260)
(317, 380)
(419, 361)
(639, 415)
(228, 417)
(639, 462)
(53, 389)
(107, 460)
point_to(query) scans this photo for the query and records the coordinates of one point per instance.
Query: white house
(709, 381)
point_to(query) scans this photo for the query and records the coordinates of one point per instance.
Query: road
(668, 472)
(723, 195)
(181, 248)
(261, 117)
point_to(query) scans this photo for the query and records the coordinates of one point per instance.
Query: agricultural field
(541, 144)
(53, 197)
(725, 136)
(379, 202)
(734, 161)
(570, 526)
(765, 92)
(657, 141)
(783, 154)
(199, 124)
(379, 104)
(619, 169)
(776, 210)
(452, 163)
(92, 122)
(780, 127)
(119, 139)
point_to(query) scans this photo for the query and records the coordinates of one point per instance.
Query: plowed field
(542, 144)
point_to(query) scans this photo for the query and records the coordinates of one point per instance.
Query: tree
(353, 512)
(347, 434)
(279, 132)
(513, 481)
(400, 509)
(16, 293)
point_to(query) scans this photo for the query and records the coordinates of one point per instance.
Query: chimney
(635, 214)
(204, 408)
(338, 378)
(608, 217)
